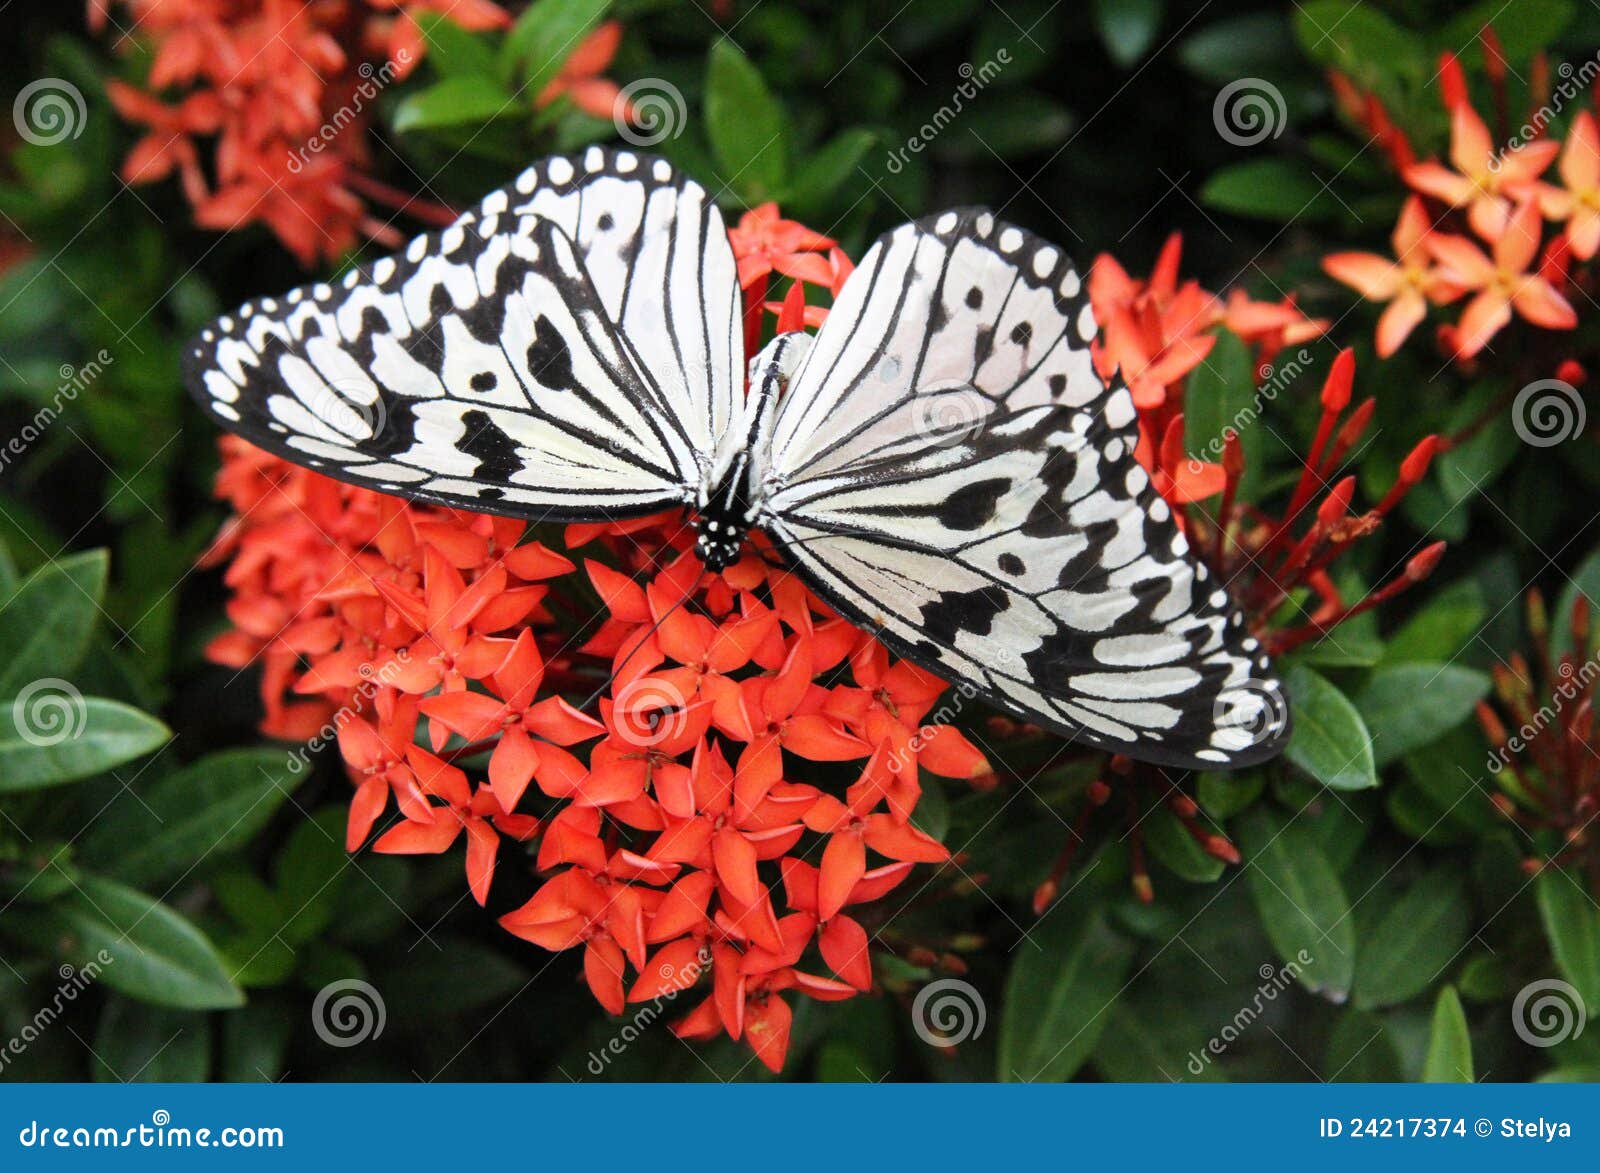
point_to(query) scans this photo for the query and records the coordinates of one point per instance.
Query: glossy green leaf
(1170, 842)
(456, 101)
(1449, 1055)
(542, 39)
(1275, 189)
(1572, 925)
(1058, 995)
(135, 1043)
(45, 626)
(1221, 400)
(1411, 705)
(156, 955)
(51, 735)
(1301, 902)
(745, 124)
(1329, 740)
(1420, 936)
(1128, 27)
(197, 814)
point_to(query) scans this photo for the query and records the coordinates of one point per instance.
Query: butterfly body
(941, 462)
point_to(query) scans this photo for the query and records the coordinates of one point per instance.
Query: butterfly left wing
(949, 471)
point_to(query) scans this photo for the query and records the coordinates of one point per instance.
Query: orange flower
(1408, 283)
(1503, 283)
(1579, 203)
(766, 243)
(580, 80)
(1155, 331)
(1484, 183)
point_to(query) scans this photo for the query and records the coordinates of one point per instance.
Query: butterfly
(939, 462)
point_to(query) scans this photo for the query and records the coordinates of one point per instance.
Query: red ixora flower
(726, 816)
(277, 96)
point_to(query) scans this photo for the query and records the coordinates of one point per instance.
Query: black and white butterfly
(940, 462)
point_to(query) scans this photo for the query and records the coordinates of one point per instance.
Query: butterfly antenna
(655, 627)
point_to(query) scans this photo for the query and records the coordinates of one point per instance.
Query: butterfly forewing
(950, 472)
(489, 365)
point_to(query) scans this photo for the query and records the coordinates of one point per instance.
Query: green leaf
(154, 954)
(204, 810)
(1059, 993)
(1221, 400)
(1128, 27)
(1358, 39)
(1225, 795)
(1330, 741)
(1572, 924)
(828, 169)
(456, 101)
(255, 1041)
(1268, 189)
(1419, 936)
(1449, 1055)
(1411, 705)
(1300, 900)
(545, 35)
(151, 1044)
(95, 735)
(1154, 1044)
(745, 124)
(1526, 29)
(310, 873)
(452, 50)
(45, 627)
(1360, 1051)
(1171, 843)
(1257, 44)
(1442, 628)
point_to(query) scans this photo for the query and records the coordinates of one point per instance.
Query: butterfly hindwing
(955, 476)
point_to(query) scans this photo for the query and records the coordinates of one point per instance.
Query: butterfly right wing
(475, 370)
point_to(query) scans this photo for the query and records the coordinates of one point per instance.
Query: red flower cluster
(743, 790)
(1493, 188)
(1547, 765)
(1157, 331)
(287, 91)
